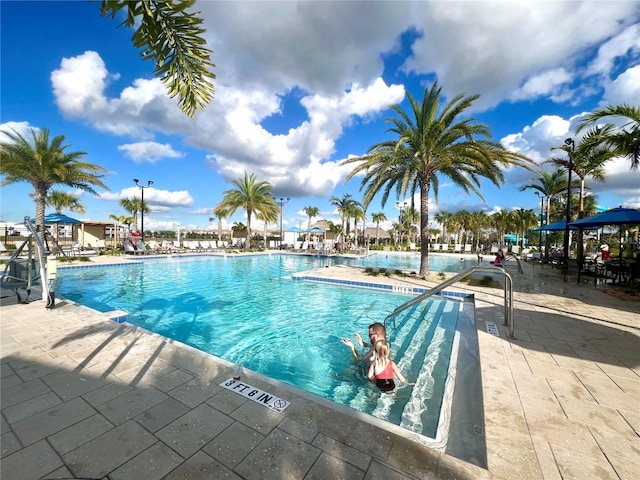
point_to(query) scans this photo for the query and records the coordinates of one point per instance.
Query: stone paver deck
(83, 396)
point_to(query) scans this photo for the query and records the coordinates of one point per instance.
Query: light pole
(539, 195)
(142, 187)
(571, 144)
(401, 206)
(281, 203)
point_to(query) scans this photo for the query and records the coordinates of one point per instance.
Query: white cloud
(152, 196)
(547, 83)
(624, 88)
(150, 152)
(618, 46)
(21, 128)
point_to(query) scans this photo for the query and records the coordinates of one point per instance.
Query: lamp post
(539, 195)
(571, 144)
(401, 206)
(142, 187)
(281, 203)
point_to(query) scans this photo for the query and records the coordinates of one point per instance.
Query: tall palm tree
(586, 160)
(173, 38)
(410, 217)
(311, 212)
(432, 140)
(220, 213)
(357, 212)
(134, 206)
(343, 206)
(478, 221)
(61, 200)
(524, 219)
(252, 196)
(121, 220)
(444, 218)
(503, 222)
(623, 140)
(549, 184)
(44, 162)
(378, 217)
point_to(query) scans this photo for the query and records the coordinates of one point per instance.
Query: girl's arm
(396, 370)
(371, 370)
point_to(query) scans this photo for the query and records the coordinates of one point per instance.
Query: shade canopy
(294, 230)
(558, 226)
(54, 218)
(615, 216)
(316, 230)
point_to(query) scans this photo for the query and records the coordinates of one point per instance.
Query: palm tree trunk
(247, 242)
(424, 226)
(40, 197)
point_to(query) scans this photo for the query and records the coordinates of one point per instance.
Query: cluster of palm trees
(430, 142)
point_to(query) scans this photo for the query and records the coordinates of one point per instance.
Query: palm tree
(549, 185)
(503, 222)
(524, 220)
(586, 160)
(378, 217)
(343, 206)
(624, 140)
(173, 39)
(432, 141)
(311, 212)
(357, 212)
(444, 219)
(220, 214)
(45, 163)
(410, 217)
(61, 200)
(134, 206)
(478, 221)
(121, 220)
(251, 195)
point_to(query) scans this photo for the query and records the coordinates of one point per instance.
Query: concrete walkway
(83, 396)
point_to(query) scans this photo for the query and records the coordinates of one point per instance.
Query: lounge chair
(515, 249)
(457, 248)
(467, 248)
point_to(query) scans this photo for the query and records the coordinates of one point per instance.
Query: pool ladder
(508, 294)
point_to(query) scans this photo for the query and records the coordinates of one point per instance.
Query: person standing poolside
(382, 368)
(377, 331)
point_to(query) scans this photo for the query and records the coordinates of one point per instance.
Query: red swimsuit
(384, 379)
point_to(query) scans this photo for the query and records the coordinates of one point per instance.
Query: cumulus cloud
(150, 152)
(21, 128)
(152, 196)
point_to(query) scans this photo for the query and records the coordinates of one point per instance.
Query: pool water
(248, 311)
(411, 261)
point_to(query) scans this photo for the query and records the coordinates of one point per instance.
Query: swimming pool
(248, 311)
(411, 261)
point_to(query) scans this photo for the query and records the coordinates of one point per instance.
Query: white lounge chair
(467, 248)
(457, 248)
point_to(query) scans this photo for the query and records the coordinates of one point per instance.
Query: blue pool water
(248, 310)
(411, 261)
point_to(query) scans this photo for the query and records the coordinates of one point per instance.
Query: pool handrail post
(508, 294)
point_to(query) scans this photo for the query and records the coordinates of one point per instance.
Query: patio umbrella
(294, 229)
(316, 230)
(54, 218)
(616, 216)
(558, 226)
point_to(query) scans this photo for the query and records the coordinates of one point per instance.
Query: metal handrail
(47, 293)
(508, 294)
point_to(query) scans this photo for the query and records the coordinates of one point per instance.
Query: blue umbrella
(53, 218)
(294, 229)
(615, 216)
(555, 227)
(316, 230)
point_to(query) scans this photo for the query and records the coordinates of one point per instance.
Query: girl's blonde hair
(382, 352)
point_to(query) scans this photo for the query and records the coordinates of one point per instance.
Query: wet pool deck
(83, 396)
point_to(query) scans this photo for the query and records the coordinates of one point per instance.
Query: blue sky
(303, 85)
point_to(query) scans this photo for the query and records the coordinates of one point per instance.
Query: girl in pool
(382, 368)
